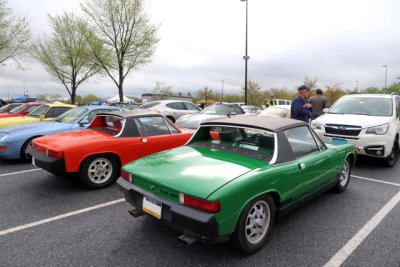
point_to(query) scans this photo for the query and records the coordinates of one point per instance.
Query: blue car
(15, 139)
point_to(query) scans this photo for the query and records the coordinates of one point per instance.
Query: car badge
(342, 128)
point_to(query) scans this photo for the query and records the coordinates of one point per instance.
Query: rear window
(249, 142)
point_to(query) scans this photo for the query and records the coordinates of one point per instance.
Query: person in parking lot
(318, 102)
(300, 108)
(270, 102)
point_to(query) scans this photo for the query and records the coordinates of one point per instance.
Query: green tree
(162, 90)
(205, 94)
(128, 37)
(372, 90)
(87, 99)
(310, 83)
(43, 97)
(66, 53)
(14, 35)
(254, 95)
(333, 92)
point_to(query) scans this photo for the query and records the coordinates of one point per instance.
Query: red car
(8, 107)
(21, 110)
(112, 140)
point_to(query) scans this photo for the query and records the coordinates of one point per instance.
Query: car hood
(5, 122)
(38, 127)
(349, 119)
(191, 170)
(61, 141)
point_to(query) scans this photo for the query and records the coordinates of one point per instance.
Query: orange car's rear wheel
(99, 171)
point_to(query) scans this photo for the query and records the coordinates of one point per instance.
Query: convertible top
(266, 123)
(128, 114)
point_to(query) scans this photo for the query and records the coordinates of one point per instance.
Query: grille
(349, 130)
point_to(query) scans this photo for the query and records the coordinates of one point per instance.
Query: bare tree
(162, 90)
(14, 35)
(127, 35)
(66, 53)
(333, 92)
(206, 94)
(253, 93)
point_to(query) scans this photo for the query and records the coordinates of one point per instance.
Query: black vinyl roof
(129, 114)
(263, 122)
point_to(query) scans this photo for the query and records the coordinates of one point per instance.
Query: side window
(301, 140)
(50, 113)
(235, 110)
(172, 128)
(190, 106)
(398, 107)
(179, 106)
(151, 126)
(59, 110)
(31, 108)
(93, 114)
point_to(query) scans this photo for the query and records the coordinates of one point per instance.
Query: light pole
(385, 66)
(246, 57)
(222, 94)
(357, 85)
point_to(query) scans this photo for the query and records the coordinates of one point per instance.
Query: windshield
(370, 106)
(18, 109)
(7, 107)
(41, 110)
(71, 115)
(215, 110)
(149, 105)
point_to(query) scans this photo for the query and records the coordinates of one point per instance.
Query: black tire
(171, 119)
(391, 160)
(344, 179)
(24, 156)
(99, 171)
(255, 224)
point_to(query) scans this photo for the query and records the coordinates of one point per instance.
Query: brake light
(54, 154)
(200, 204)
(127, 176)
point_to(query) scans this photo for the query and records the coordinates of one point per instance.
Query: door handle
(144, 140)
(302, 166)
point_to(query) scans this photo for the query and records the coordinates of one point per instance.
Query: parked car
(14, 140)
(279, 111)
(20, 110)
(276, 102)
(9, 107)
(172, 109)
(368, 121)
(111, 140)
(214, 112)
(251, 109)
(44, 112)
(234, 177)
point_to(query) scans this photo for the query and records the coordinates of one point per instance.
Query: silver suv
(371, 122)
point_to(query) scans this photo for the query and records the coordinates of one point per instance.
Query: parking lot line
(356, 240)
(373, 180)
(29, 225)
(12, 173)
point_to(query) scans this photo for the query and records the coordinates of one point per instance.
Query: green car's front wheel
(255, 224)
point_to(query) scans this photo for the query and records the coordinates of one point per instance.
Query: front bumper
(45, 162)
(12, 151)
(186, 220)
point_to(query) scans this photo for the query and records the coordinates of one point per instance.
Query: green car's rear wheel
(99, 171)
(255, 224)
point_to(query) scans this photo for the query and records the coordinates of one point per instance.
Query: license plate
(33, 162)
(339, 141)
(152, 207)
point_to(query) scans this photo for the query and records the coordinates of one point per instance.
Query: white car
(368, 121)
(276, 102)
(172, 109)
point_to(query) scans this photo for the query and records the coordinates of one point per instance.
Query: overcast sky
(203, 43)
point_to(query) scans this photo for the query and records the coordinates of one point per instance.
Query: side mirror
(232, 114)
(42, 117)
(83, 122)
(25, 113)
(325, 110)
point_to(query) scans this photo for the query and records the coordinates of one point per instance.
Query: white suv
(368, 121)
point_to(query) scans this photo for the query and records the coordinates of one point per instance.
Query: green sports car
(234, 177)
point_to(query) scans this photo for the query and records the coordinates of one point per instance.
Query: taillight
(200, 204)
(127, 176)
(54, 154)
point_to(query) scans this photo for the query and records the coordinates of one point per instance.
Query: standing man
(270, 102)
(300, 108)
(318, 102)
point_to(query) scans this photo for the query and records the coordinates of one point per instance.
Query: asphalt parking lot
(48, 220)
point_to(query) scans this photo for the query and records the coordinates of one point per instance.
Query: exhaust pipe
(136, 213)
(189, 240)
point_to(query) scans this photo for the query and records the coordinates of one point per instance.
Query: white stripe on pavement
(358, 238)
(373, 180)
(29, 225)
(12, 173)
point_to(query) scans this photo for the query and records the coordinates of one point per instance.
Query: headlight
(316, 125)
(3, 136)
(379, 130)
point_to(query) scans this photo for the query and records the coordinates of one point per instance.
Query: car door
(157, 135)
(318, 164)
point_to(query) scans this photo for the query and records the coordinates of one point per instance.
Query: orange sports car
(113, 139)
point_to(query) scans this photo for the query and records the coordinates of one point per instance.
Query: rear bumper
(45, 162)
(181, 218)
